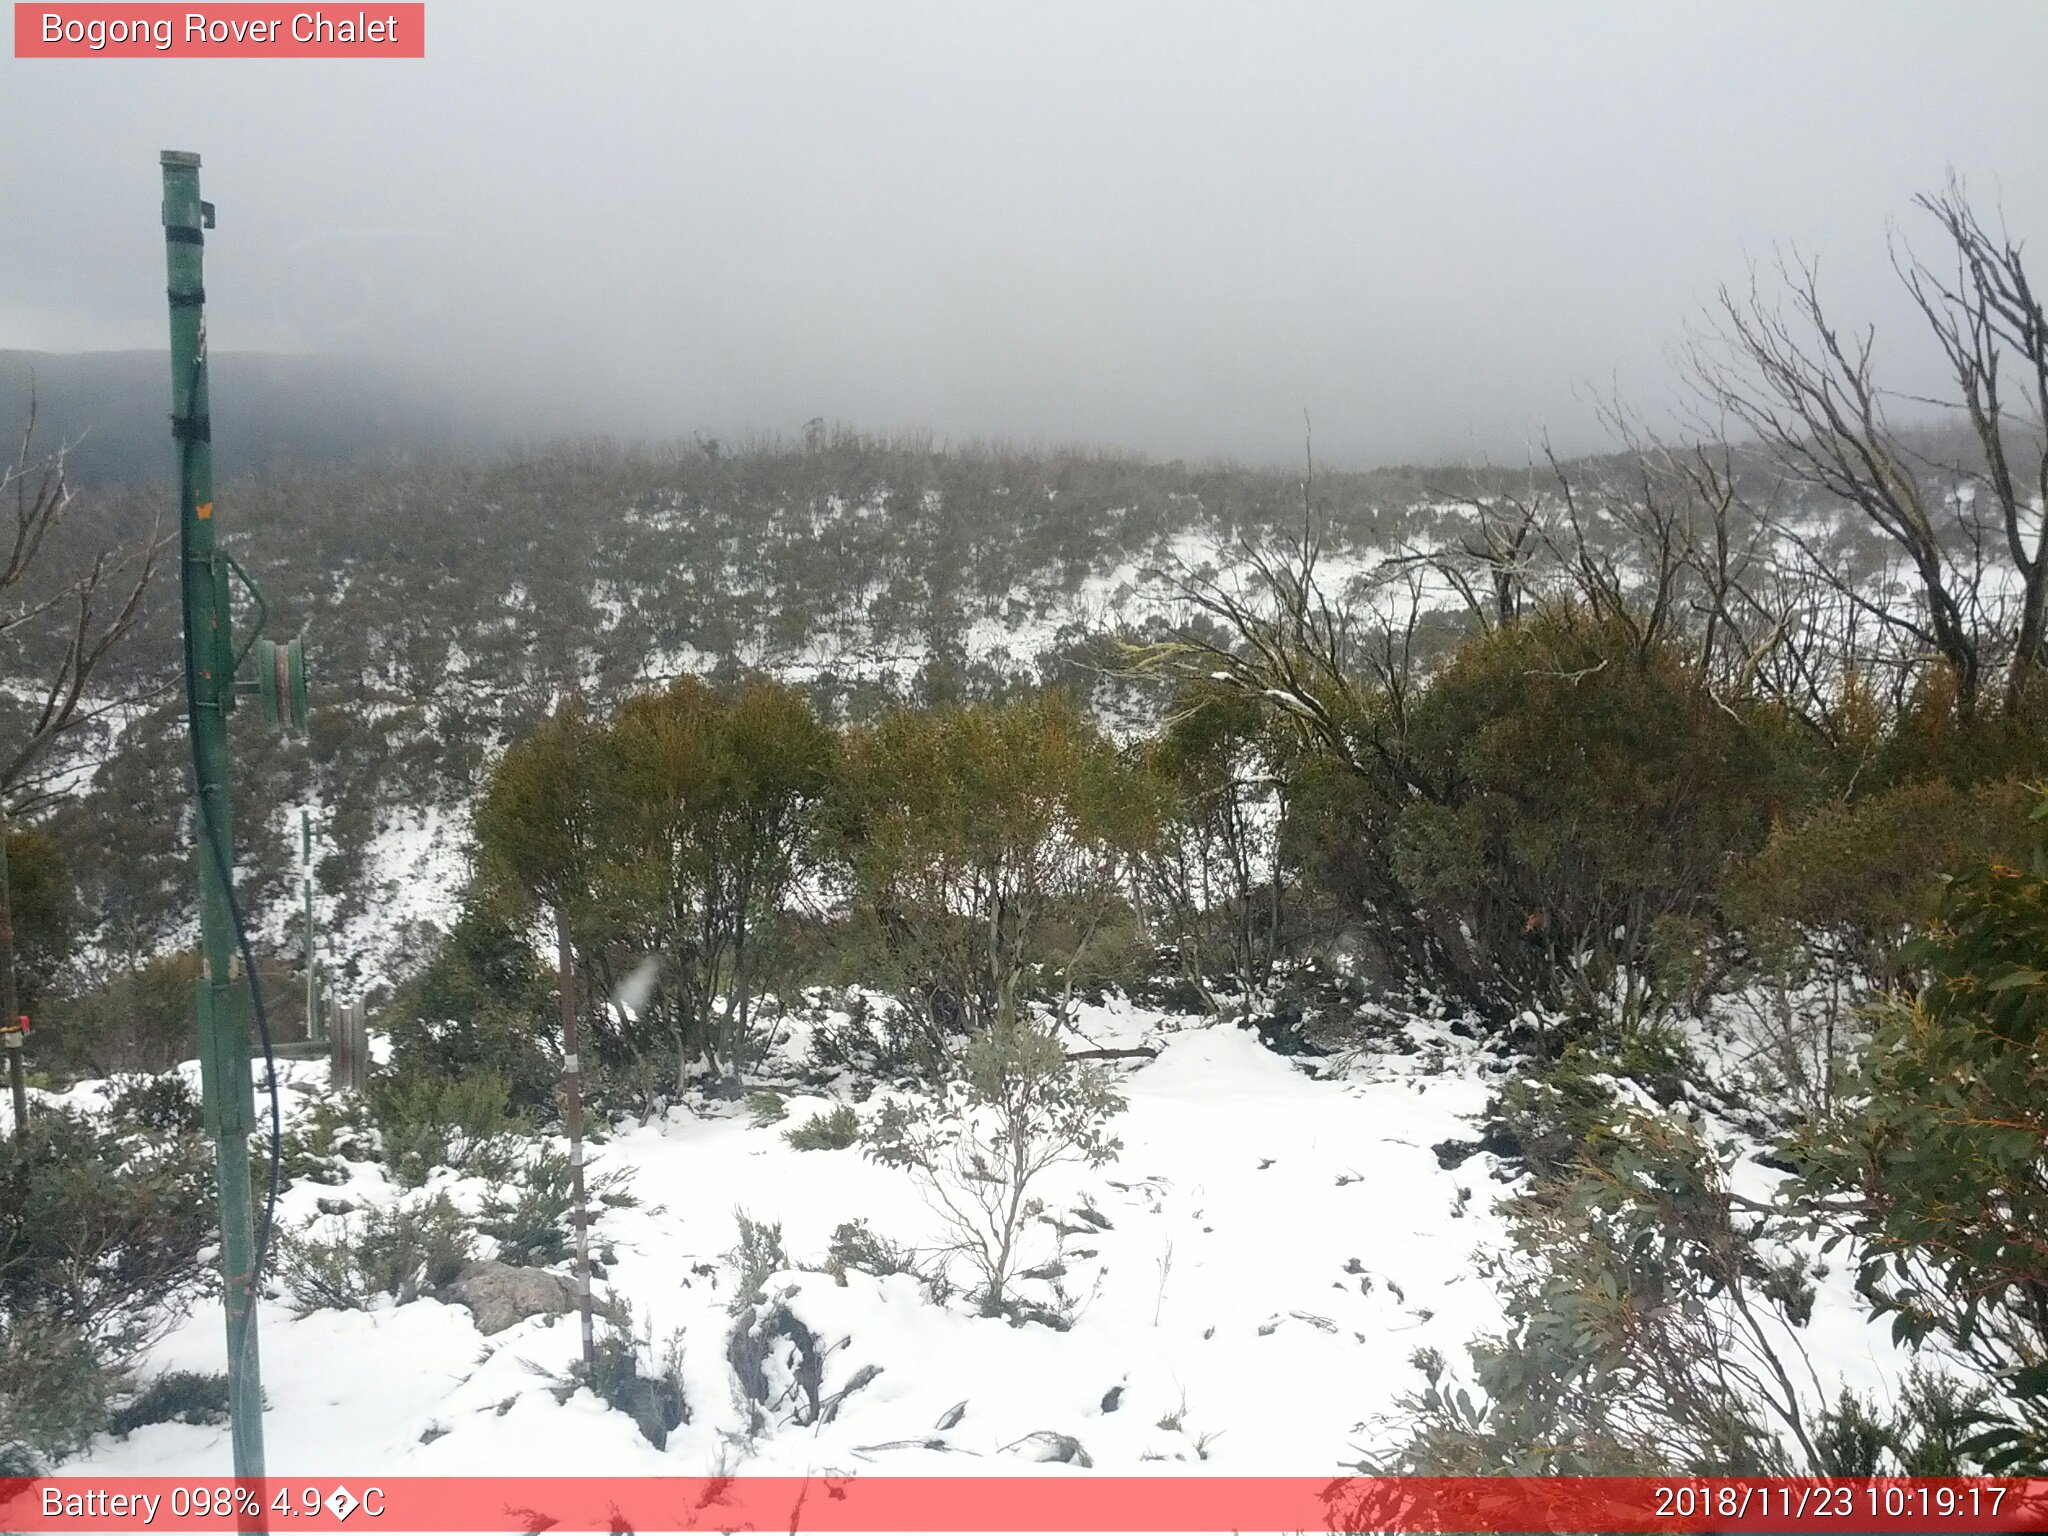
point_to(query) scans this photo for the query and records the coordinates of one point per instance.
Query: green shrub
(484, 1004)
(1869, 872)
(1584, 794)
(349, 1261)
(856, 1246)
(155, 1103)
(983, 848)
(175, 1397)
(1935, 1420)
(330, 1132)
(1554, 1111)
(43, 903)
(1939, 1172)
(101, 1232)
(465, 1123)
(533, 1226)
(757, 1255)
(832, 1131)
(54, 1389)
(637, 1087)
(140, 1020)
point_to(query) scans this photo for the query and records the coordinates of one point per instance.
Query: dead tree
(1782, 369)
(1984, 314)
(57, 628)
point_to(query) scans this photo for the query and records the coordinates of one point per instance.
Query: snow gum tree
(712, 804)
(1211, 876)
(984, 843)
(671, 836)
(537, 822)
(1589, 797)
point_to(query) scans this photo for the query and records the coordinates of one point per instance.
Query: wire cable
(216, 844)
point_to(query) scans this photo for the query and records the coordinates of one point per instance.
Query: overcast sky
(1432, 226)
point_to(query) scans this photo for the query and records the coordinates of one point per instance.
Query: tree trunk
(10, 1002)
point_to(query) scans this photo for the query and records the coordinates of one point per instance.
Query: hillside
(444, 607)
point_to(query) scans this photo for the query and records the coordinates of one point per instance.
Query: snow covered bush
(352, 1260)
(857, 1246)
(827, 1132)
(1795, 1020)
(1652, 1326)
(100, 1230)
(628, 1373)
(175, 1397)
(1015, 1107)
(757, 1255)
(890, 1042)
(54, 1390)
(430, 1122)
(164, 1103)
(532, 1226)
(330, 1131)
(1551, 1112)
(100, 1235)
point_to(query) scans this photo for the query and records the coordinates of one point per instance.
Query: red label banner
(102, 31)
(1054, 1502)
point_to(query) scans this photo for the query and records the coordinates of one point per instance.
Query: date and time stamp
(1825, 1503)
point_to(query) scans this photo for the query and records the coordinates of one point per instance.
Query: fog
(1436, 229)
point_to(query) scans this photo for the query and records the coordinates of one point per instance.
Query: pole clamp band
(190, 300)
(192, 429)
(184, 234)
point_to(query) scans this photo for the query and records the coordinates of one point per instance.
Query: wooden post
(338, 1044)
(10, 1023)
(358, 1045)
(348, 1030)
(17, 1075)
(572, 1120)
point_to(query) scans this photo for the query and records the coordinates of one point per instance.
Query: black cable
(216, 845)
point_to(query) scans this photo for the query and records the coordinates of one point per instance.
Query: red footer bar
(1055, 1502)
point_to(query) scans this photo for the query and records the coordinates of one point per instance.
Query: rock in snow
(503, 1294)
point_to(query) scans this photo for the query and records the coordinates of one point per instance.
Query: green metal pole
(228, 1090)
(312, 974)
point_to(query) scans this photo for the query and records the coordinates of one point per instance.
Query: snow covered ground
(1251, 1276)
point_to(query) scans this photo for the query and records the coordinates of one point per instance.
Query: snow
(418, 863)
(1276, 1240)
